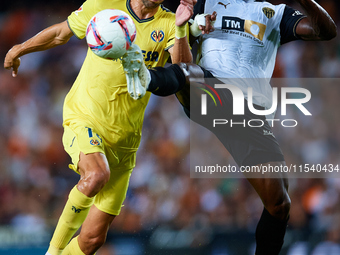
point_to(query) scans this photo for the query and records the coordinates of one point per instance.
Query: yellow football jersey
(99, 95)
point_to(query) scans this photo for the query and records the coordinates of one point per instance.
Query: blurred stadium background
(165, 212)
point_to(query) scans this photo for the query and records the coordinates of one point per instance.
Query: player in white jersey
(244, 45)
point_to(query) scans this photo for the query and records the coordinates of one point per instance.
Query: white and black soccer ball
(110, 33)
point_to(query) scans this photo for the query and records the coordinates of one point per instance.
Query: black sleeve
(166, 81)
(289, 21)
(199, 7)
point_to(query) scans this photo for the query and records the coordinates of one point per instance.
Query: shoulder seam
(73, 31)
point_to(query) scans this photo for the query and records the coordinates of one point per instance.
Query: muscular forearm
(181, 51)
(50, 37)
(322, 24)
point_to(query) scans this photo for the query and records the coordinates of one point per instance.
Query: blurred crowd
(35, 179)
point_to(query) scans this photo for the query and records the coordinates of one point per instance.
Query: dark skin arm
(318, 25)
(209, 27)
(209, 19)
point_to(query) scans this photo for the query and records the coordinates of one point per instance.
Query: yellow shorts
(83, 138)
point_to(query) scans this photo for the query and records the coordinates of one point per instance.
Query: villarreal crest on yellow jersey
(99, 96)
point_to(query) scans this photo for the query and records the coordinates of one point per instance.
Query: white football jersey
(243, 45)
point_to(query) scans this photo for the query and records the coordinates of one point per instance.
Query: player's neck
(141, 11)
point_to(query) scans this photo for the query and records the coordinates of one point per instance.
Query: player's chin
(156, 1)
(153, 3)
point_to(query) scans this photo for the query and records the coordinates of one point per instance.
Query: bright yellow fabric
(180, 32)
(110, 199)
(54, 251)
(79, 138)
(73, 248)
(99, 99)
(99, 95)
(75, 211)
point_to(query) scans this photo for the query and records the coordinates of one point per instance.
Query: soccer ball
(110, 33)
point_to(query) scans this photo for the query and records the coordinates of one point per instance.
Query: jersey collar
(133, 14)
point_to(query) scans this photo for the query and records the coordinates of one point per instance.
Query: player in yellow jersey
(102, 123)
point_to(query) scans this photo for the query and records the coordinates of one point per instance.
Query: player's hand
(209, 23)
(12, 63)
(184, 12)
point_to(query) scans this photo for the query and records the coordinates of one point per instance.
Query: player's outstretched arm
(50, 37)
(318, 25)
(181, 52)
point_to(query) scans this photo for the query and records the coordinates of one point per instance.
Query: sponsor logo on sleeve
(268, 12)
(297, 13)
(79, 10)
